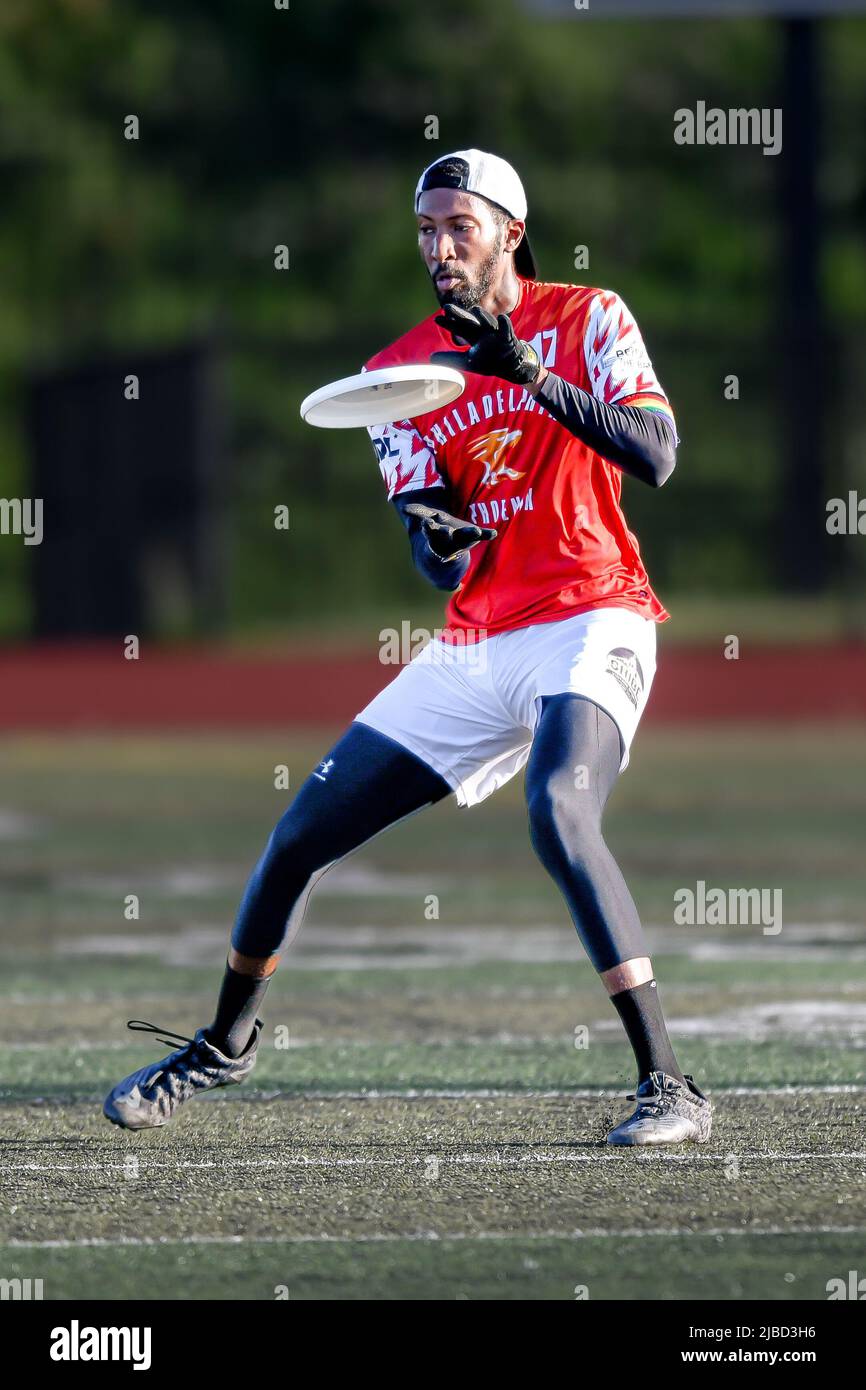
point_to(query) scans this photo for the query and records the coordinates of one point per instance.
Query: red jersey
(563, 545)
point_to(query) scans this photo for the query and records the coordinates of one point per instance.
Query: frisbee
(382, 396)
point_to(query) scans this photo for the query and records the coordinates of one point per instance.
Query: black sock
(641, 1014)
(240, 997)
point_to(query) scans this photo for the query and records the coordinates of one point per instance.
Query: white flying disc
(382, 396)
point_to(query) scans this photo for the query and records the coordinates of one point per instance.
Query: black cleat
(668, 1112)
(149, 1097)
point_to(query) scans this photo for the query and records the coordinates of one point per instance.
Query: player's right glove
(447, 535)
(494, 347)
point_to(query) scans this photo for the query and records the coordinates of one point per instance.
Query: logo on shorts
(625, 668)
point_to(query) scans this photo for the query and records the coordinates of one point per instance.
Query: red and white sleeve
(618, 364)
(406, 461)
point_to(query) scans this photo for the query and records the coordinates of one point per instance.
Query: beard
(471, 289)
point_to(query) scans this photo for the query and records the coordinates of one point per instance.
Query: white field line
(300, 1093)
(493, 1160)
(567, 1093)
(434, 1237)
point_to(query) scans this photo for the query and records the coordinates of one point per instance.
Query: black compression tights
(367, 782)
(572, 768)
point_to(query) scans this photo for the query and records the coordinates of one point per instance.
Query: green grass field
(439, 1064)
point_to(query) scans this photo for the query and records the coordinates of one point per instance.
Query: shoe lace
(658, 1102)
(139, 1025)
(653, 1105)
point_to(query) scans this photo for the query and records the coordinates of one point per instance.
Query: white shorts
(470, 710)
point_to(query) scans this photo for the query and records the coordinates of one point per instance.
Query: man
(510, 498)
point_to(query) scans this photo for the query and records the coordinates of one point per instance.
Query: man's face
(462, 244)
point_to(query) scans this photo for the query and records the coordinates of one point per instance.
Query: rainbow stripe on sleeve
(651, 401)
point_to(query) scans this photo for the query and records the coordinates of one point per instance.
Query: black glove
(447, 535)
(494, 347)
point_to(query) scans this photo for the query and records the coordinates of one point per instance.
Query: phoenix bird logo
(489, 450)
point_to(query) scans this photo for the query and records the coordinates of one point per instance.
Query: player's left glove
(494, 347)
(447, 535)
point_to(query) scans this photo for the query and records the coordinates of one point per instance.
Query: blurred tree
(306, 127)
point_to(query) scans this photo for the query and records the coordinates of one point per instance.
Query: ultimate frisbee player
(511, 500)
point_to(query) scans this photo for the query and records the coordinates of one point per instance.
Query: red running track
(94, 687)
